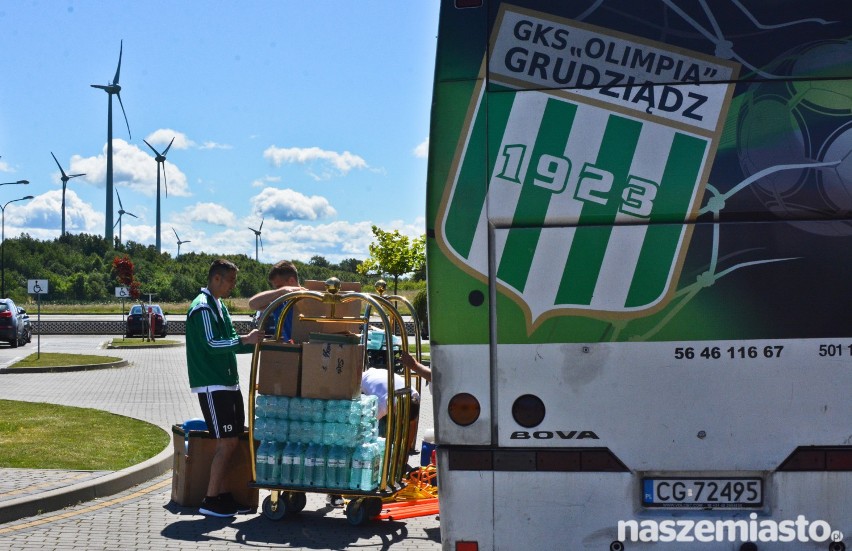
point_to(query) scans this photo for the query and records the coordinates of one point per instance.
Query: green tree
(393, 254)
(319, 261)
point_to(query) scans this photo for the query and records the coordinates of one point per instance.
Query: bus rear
(638, 251)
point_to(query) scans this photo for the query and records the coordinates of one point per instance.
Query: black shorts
(224, 412)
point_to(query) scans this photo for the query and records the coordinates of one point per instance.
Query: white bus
(639, 251)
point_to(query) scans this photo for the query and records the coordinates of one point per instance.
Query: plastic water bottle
(297, 474)
(320, 466)
(282, 430)
(287, 455)
(296, 431)
(354, 414)
(361, 459)
(377, 465)
(274, 463)
(294, 409)
(310, 464)
(282, 405)
(332, 466)
(368, 459)
(261, 463)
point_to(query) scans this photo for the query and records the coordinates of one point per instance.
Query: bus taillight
(528, 411)
(467, 546)
(463, 409)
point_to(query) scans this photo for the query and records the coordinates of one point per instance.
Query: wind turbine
(121, 212)
(179, 242)
(161, 161)
(257, 238)
(65, 179)
(112, 89)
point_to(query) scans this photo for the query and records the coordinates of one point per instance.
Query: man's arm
(265, 298)
(417, 367)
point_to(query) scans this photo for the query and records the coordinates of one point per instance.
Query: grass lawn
(55, 359)
(47, 436)
(138, 342)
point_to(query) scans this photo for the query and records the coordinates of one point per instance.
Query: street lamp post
(3, 241)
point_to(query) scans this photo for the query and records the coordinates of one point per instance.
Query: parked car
(137, 321)
(13, 326)
(28, 326)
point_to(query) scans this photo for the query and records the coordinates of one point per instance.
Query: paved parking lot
(155, 389)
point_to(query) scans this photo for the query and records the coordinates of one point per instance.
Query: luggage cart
(362, 505)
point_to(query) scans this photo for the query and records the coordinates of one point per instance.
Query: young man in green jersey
(212, 344)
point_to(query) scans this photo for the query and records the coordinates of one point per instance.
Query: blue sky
(312, 116)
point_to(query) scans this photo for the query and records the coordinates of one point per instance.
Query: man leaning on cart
(211, 347)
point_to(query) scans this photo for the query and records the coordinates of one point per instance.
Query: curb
(133, 347)
(37, 504)
(63, 368)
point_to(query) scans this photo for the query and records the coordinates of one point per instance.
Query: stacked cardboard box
(332, 366)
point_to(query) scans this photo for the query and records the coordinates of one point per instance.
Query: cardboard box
(191, 471)
(331, 370)
(315, 309)
(279, 368)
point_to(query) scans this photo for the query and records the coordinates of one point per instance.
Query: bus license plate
(702, 492)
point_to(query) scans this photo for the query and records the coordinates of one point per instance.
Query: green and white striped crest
(587, 205)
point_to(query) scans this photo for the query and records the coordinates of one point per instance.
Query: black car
(137, 321)
(14, 323)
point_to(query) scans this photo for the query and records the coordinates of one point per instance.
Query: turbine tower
(257, 239)
(111, 89)
(121, 212)
(65, 179)
(179, 242)
(161, 162)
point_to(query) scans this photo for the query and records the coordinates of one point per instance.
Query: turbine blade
(261, 224)
(187, 241)
(60, 166)
(167, 148)
(125, 115)
(117, 223)
(131, 214)
(176, 235)
(75, 175)
(254, 230)
(119, 200)
(261, 243)
(157, 153)
(118, 69)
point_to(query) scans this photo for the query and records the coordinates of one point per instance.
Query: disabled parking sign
(37, 286)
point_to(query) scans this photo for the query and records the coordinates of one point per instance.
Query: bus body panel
(639, 219)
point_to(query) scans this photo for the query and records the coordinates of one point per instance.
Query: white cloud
(4, 167)
(210, 213)
(342, 163)
(422, 150)
(214, 145)
(286, 204)
(260, 182)
(45, 212)
(132, 168)
(162, 137)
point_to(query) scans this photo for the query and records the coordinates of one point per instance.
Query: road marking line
(89, 509)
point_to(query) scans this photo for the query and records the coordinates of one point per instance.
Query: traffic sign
(37, 286)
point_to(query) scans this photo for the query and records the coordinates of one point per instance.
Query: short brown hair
(284, 269)
(221, 266)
